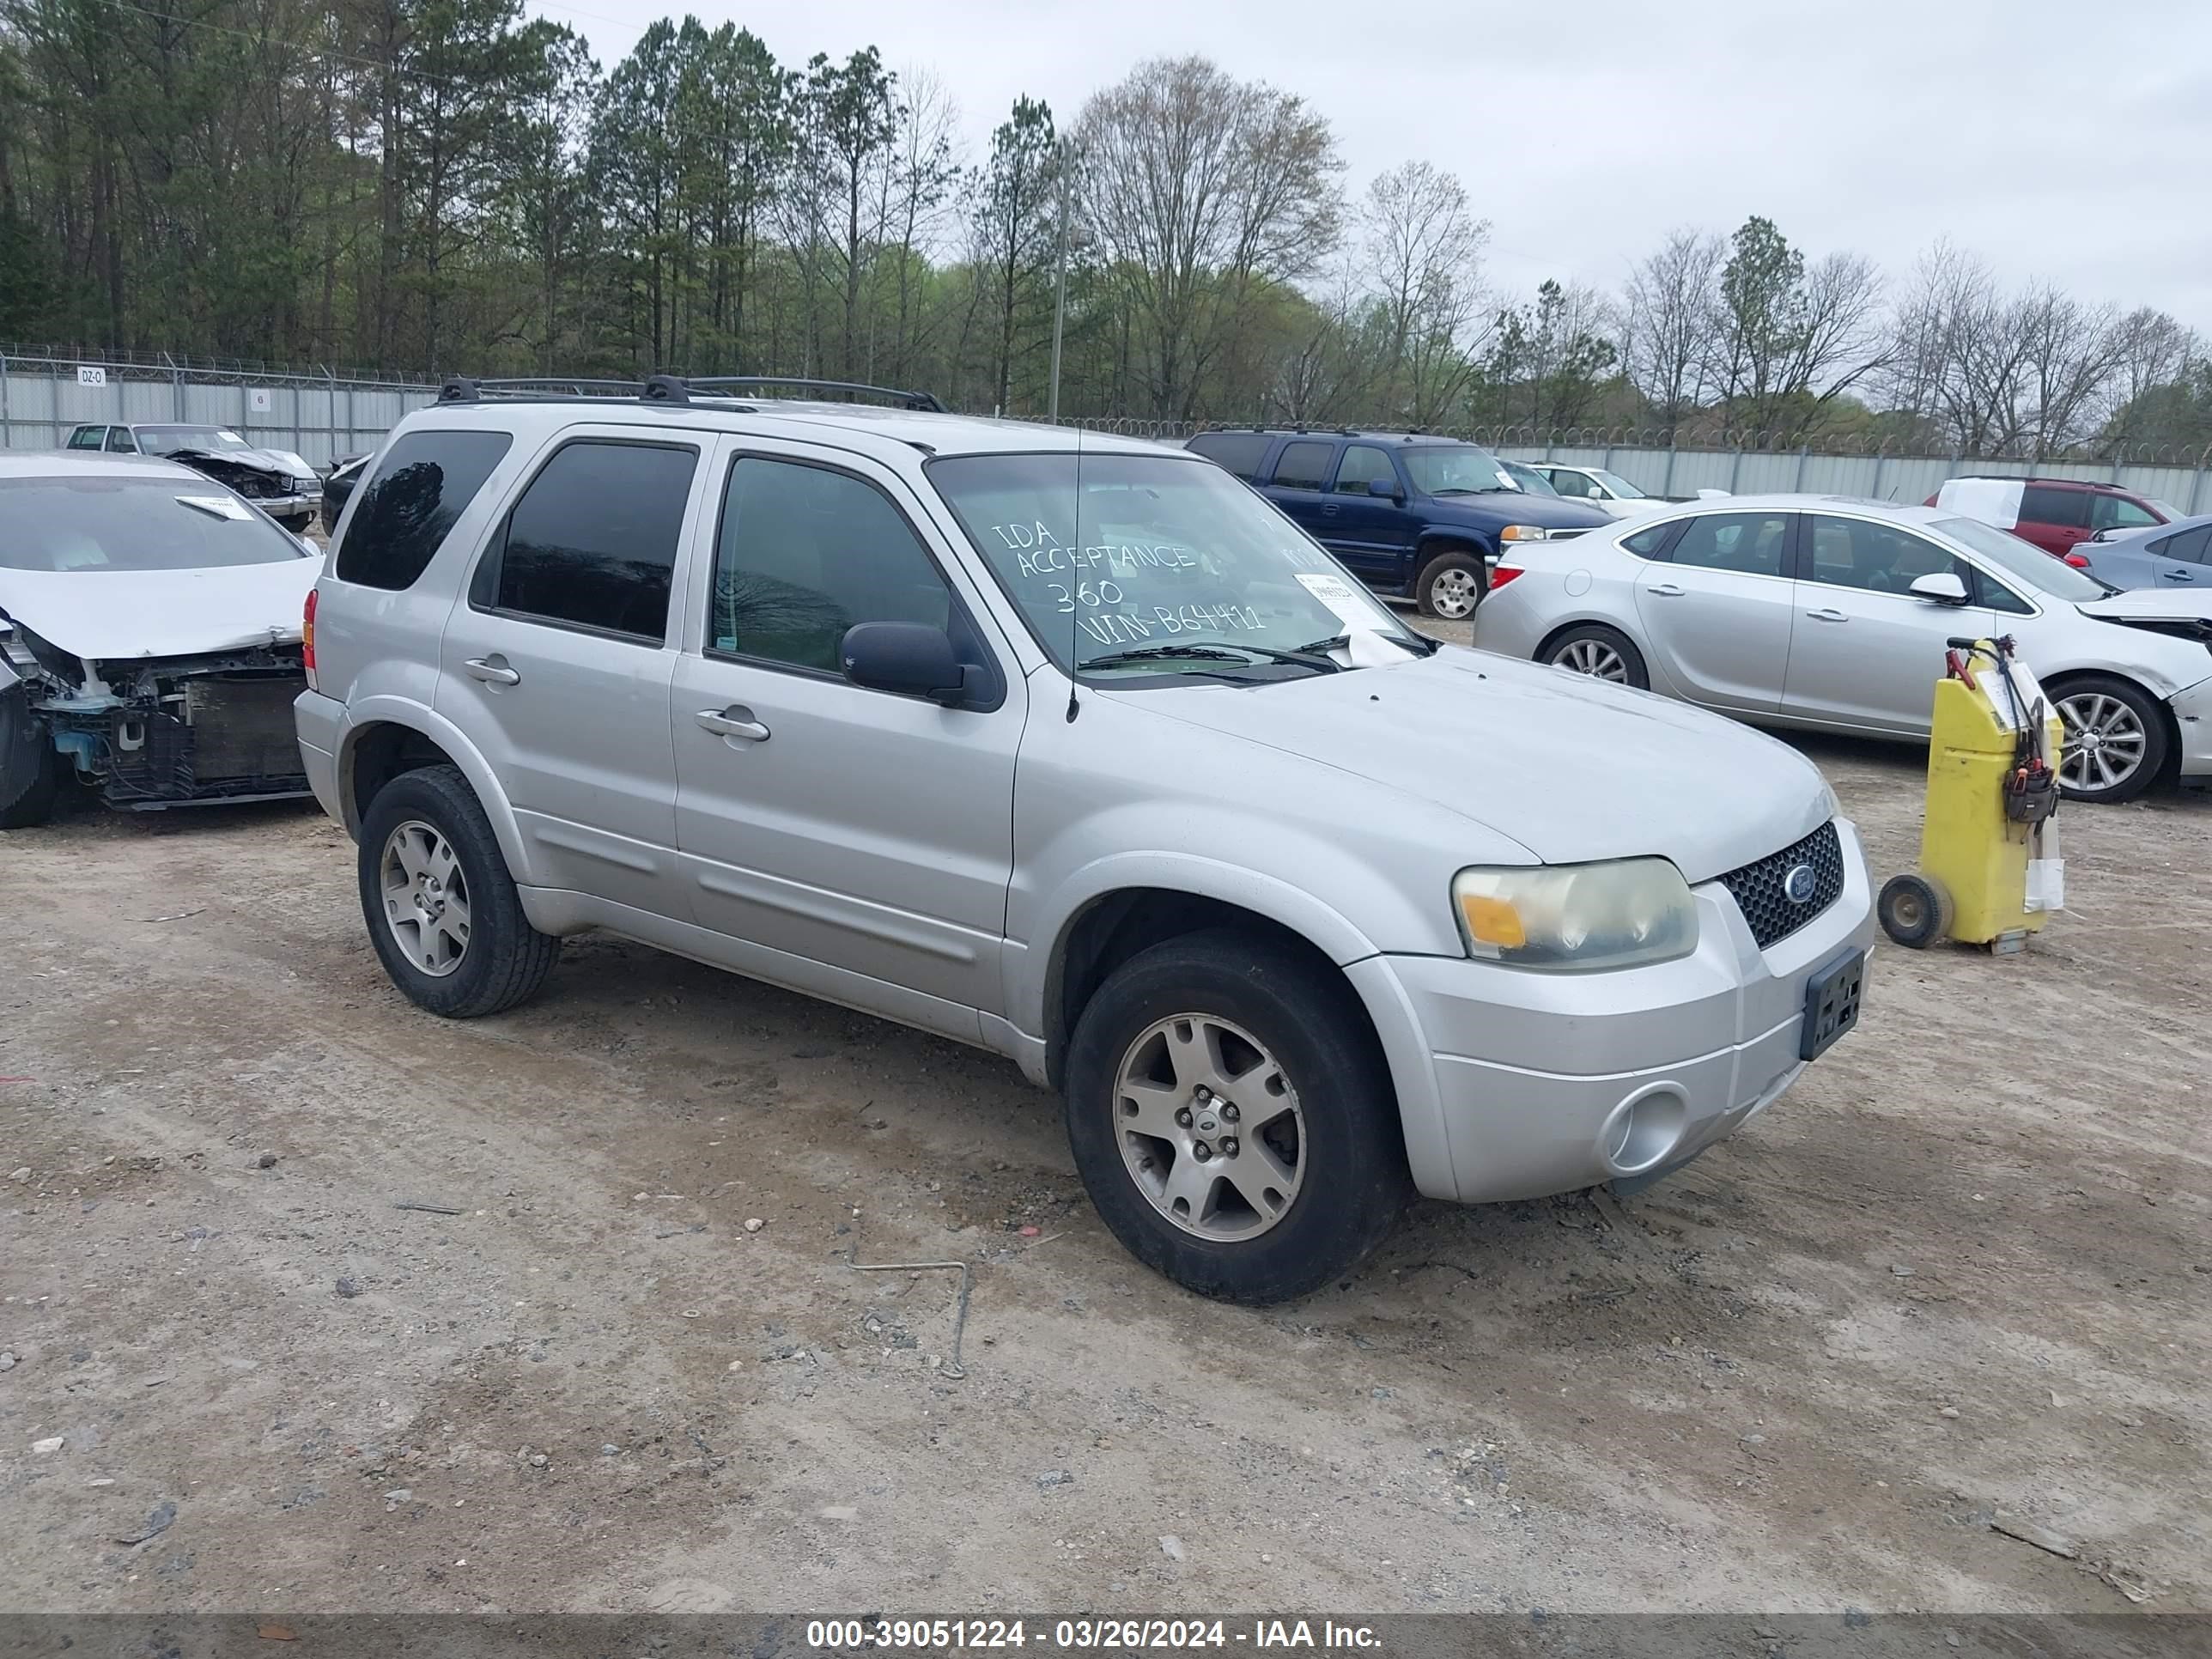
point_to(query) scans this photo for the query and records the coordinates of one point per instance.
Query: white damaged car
(150, 626)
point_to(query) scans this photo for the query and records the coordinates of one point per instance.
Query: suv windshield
(1619, 485)
(2024, 560)
(1111, 554)
(168, 440)
(1455, 470)
(64, 524)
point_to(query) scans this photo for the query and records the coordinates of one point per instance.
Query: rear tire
(1602, 653)
(1302, 1170)
(29, 779)
(1451, 586)
(429, 865)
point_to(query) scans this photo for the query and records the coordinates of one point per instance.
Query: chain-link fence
(321, 414)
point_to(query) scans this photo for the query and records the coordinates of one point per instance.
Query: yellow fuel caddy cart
(1990, 871)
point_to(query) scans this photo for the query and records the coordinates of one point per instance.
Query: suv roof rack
(663, 389)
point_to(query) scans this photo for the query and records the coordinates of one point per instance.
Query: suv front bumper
(1548, 1083)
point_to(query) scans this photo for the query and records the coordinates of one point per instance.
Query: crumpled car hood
(2152, 605)
(108, 615)
(1571, 768)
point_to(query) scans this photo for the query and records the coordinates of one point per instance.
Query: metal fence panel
(319, 417)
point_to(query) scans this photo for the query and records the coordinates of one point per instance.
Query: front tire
(1232, 1117)
(2115, 740)
(1601, 653)
(1451, 586)
(442, 910)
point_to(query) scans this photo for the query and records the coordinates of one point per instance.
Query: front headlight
(1524, 533)
(1574, 918)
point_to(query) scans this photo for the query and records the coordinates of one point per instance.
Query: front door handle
(492, 671)
(2179, 576)
(1329, 509)
(1667, 588)
(1827, 613)
(735, 721)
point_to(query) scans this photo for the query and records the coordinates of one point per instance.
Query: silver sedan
(1826, 613)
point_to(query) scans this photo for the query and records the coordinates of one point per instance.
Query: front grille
(1758, 886)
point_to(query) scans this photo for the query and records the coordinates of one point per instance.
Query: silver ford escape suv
(1074, 749)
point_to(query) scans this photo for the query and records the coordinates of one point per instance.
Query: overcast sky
(2071, 141)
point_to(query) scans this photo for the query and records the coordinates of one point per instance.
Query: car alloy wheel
(1592, 657)
(426, 898)
(1209, 1127)
(1453, 594)
(2105, 743)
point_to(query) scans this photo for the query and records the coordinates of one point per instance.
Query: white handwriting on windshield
(1037, 552)
(1134, 627)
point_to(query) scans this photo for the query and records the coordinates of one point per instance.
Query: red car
(2054, 513)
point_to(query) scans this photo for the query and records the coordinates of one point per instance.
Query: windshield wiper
(1419, 644)
(1216, 652)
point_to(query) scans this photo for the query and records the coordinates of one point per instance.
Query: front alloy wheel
(1594, 656)
(426, 898)
(1209, 1127)
(1454, 591)
(2114, 745)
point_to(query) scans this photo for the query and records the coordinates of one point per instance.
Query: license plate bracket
(1831, 1003)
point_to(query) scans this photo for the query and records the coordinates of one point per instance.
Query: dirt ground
(1958, 1275)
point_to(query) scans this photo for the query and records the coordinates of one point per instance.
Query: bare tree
(1424, 255)
(1199, 188)
(2153, 352)
(2025, 374)
(1669, 322)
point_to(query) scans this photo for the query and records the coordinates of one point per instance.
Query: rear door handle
(732, 722)
(1669, 589)
(2179, 576)
(1329, 509)
(1827, 613)
(492, 671)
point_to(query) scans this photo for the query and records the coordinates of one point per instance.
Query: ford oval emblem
(1798, 886)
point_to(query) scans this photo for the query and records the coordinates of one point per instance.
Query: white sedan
(1598, 487)
(1827, 613)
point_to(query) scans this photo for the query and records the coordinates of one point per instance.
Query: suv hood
(1494, 509)
(115, 614)
(1571, 768)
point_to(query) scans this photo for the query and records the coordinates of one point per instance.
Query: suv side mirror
(911, 659)
(1384, 487)
(1941, 587)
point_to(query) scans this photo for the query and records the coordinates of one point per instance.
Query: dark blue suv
(1410, 514)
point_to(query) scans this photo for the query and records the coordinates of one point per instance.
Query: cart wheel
(1914, 910)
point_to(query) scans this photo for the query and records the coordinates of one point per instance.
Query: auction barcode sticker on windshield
(1336, 593)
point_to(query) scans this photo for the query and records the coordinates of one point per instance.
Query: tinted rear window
(422, 485)
(95, 524)
(2040, 504)
(1239, 452)
(1304, 466)
(592, 541)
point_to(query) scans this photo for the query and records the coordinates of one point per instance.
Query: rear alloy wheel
(2115, 741)
(1451, 586)
(442, 910)
(1602, 653)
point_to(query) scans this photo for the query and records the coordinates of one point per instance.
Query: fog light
(1643, 1130)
